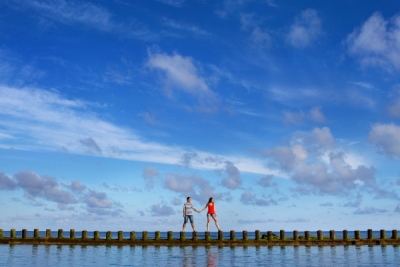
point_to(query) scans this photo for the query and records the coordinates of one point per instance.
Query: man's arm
(195, 209)
(184, 210)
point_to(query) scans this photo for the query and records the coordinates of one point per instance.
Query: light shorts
(190, 217)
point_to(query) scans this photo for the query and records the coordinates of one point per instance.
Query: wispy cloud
(263, 221)
(291, 96)
(174, 3)
(369, 210)
(69, 12)
(196, 31)
(297, 118)
(259, 36)
(306, 29)
(326, 204)
(54, 123)
(85, 13)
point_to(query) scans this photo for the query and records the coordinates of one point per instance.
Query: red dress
(211, 209)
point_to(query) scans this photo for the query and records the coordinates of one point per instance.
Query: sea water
(103, 255)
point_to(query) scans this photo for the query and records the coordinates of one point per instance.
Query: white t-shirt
(188, 208)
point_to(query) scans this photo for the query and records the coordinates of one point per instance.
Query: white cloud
(265, 181)
(36, 120)
(161, 210)
(6, 183)
(377, 42)
(304, 161)
(53, 122)
(76, 186)
(42, 187)
(306, 29)
(386, 137)
(322, 137)
(149, 175)
(194, 186)
(97, 200)
(316, 115)
(180, 72)
(297, 118)
(249, 198)
(233, 180)
(369, 210)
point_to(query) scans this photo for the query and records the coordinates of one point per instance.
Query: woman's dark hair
(210, 200)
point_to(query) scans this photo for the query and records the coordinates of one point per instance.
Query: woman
(212, 212)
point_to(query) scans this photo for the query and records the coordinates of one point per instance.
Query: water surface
(78, 255)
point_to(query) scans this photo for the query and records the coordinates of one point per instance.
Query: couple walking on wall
(188, 213)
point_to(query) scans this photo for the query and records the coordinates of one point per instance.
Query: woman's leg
(216, 222)
(208, 223)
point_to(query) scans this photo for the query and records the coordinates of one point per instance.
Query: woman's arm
(204, 208)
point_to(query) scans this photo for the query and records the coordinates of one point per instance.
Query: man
(187, 214)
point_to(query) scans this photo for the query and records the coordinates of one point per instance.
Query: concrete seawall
(192, 238)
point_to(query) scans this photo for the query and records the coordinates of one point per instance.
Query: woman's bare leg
(216, 223)
(208, 223)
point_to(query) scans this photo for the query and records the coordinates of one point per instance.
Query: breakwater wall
(232, 238)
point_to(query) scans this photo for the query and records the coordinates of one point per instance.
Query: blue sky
(113, 112)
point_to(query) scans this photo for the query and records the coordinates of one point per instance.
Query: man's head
(188, 199)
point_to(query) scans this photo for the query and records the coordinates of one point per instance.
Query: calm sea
(77, 255)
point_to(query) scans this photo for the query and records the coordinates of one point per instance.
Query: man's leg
(183, 227)
(194, 230)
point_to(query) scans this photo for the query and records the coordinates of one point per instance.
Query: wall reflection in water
(176, 256)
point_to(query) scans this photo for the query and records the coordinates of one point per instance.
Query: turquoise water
(77, 255)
